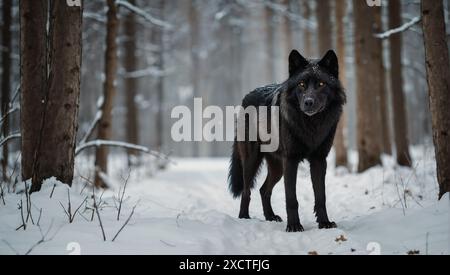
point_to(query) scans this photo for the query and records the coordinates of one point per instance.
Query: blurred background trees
(142, 58)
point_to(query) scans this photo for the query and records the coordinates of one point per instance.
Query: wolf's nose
(309, 102)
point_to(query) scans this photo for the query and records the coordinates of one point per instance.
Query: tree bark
(130, 84)
(109, 92)
(339, 141)
(438, 75)
(195, 60)
(367, 82)
(48, 143)
(6, 80)
(270, 29)
(398, 97)
(307, 39)
(323, 13)
(383, 98)
(158, 37)
(287, 28)
(33, 67)
(448, 21)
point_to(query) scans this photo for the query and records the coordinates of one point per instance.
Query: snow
(187, 209)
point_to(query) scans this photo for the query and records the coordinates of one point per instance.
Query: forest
(89, 164)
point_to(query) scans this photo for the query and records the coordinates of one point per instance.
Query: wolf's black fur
(310, 103)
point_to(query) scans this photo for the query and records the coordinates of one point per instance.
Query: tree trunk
(438, 74)
(339, 141)
(398, 97)
(367, 82)
(448, 22)
(307, 40)
(323, 13)
(130, 83)
(33, 67)
(109, 92)
(6, 80)
(383, 95)
(158, 37)
(270, 29)
(195, 60)
(48, 144)
(287, 28)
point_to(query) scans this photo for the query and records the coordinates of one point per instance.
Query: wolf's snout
(309, 102)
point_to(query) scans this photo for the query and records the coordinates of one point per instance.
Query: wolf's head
(315, 83)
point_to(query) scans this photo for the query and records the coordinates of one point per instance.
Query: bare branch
(91, 128)
(151, 71)
(16, 94)
(283, 9)
(143, 14)
(126, 222)
(39, 218)
(400, 29)
(24, 225)
(28, 197)
(2, 194)
(94, 16)
(10, 111)
(68, 212)
(168, 244)
(10, 247)
(53, 190)
(98, 216)
(43, 238)
(65, 211)
(99, 143)
(122, 196)
(5, 140)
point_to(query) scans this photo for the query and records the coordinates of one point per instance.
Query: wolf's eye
(321, 84)
(302, 84)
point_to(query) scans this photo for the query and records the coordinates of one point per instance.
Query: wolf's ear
(296, 62)
(331, 63)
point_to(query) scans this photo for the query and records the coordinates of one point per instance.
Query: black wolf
(310, 104)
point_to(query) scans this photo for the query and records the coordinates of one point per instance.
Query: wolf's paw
(295, 228)
(274, 218)
(244, 217)
(327, 225)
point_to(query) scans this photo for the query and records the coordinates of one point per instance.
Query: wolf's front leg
(318, 172)
(290, 181)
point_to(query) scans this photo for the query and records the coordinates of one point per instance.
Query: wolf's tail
(236, 174)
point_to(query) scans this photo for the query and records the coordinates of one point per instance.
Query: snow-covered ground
(187, 209)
